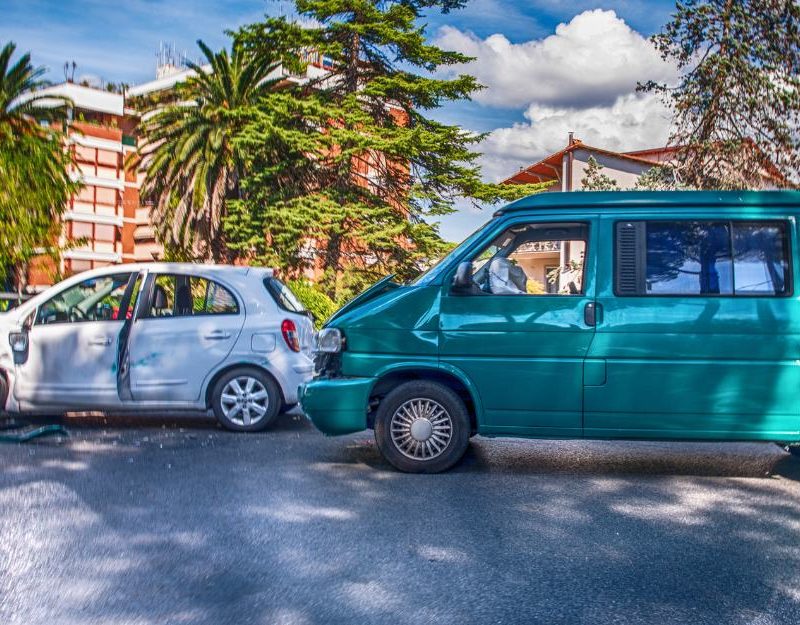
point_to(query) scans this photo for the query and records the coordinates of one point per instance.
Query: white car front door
(71, 359)
(187, 327)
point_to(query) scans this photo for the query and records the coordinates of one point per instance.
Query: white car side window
(176, 295)
(95, 299)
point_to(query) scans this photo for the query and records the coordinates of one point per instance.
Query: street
(173, 520)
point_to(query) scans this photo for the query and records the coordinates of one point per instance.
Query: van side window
(534, 259)
(760, 259)
(701, 258)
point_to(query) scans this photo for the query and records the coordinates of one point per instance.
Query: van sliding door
(700, 331)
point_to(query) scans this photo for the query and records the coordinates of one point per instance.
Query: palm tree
(188, 156)
(21, 108)
(34, 166)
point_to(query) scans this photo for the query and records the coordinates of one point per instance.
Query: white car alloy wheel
(244, 401)
(421, 429)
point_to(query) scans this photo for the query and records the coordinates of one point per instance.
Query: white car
(159, 336)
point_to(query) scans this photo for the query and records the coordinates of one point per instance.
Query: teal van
(622, 315)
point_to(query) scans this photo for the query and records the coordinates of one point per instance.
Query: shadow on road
(156, 520)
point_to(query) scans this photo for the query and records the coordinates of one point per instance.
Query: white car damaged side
(159, 336)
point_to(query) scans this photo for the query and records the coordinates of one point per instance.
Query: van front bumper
(337, 406)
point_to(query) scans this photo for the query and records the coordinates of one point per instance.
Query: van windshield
(433, 272)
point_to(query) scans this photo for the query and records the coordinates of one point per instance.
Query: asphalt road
(175, 521)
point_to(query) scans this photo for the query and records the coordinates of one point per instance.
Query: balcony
(540, 247)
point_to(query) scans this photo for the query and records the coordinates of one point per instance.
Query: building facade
(107, 222)
(99, 221)
(566, 168)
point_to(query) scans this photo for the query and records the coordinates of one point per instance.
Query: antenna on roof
(168, 61)
(69, 71)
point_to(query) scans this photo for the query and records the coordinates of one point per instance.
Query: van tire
(399, 404)
(239, 377)
(794, 450)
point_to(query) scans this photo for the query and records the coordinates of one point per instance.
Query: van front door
(700, 327)
(521, 331)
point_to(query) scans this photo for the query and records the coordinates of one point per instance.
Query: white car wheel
(246, 400)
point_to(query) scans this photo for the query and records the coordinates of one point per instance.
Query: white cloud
(582, 78)
(591, 60)
(634, 121)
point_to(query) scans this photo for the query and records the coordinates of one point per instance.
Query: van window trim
(505, 225)
(505, 221)
(150, 286)
(786, 222)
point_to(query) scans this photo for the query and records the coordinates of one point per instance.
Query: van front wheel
(422, 427)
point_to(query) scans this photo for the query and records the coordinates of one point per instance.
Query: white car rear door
(187, 327)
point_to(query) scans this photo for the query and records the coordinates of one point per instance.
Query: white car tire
(246, 399)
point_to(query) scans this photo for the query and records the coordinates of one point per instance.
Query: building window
(106, 196)
(105, 232)
(81, 230)
(77, 265)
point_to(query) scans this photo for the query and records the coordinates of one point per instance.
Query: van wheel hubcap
(421, 429)
(244, 400)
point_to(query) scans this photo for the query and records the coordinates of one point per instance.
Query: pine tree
(347, 167)
(737, 105)
(658, 178)
(595, 180)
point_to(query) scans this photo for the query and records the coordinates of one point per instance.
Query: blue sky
(117, 41)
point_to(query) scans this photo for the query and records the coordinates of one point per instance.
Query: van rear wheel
(422, 427)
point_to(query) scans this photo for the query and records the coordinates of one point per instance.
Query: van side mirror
(462, 280)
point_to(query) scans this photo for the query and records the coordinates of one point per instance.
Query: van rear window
(710, 258)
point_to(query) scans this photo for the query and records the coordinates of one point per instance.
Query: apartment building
(99, 221)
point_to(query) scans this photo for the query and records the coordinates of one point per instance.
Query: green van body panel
(659, 367)
(339, 406)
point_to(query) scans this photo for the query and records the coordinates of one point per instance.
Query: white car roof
(191, 268)
(231, 272)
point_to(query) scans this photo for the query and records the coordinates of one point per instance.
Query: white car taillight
(289, 332)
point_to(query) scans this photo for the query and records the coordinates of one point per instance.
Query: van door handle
(590, 314)
(217, 335)
(100, 341)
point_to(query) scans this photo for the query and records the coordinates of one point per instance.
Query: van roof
(640, 199)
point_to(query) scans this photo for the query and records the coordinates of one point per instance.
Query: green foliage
(348, 168)
(595, 180)
(737, 105)
(314, 300)
(659, 178)
(192, 168)
(34, 168)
